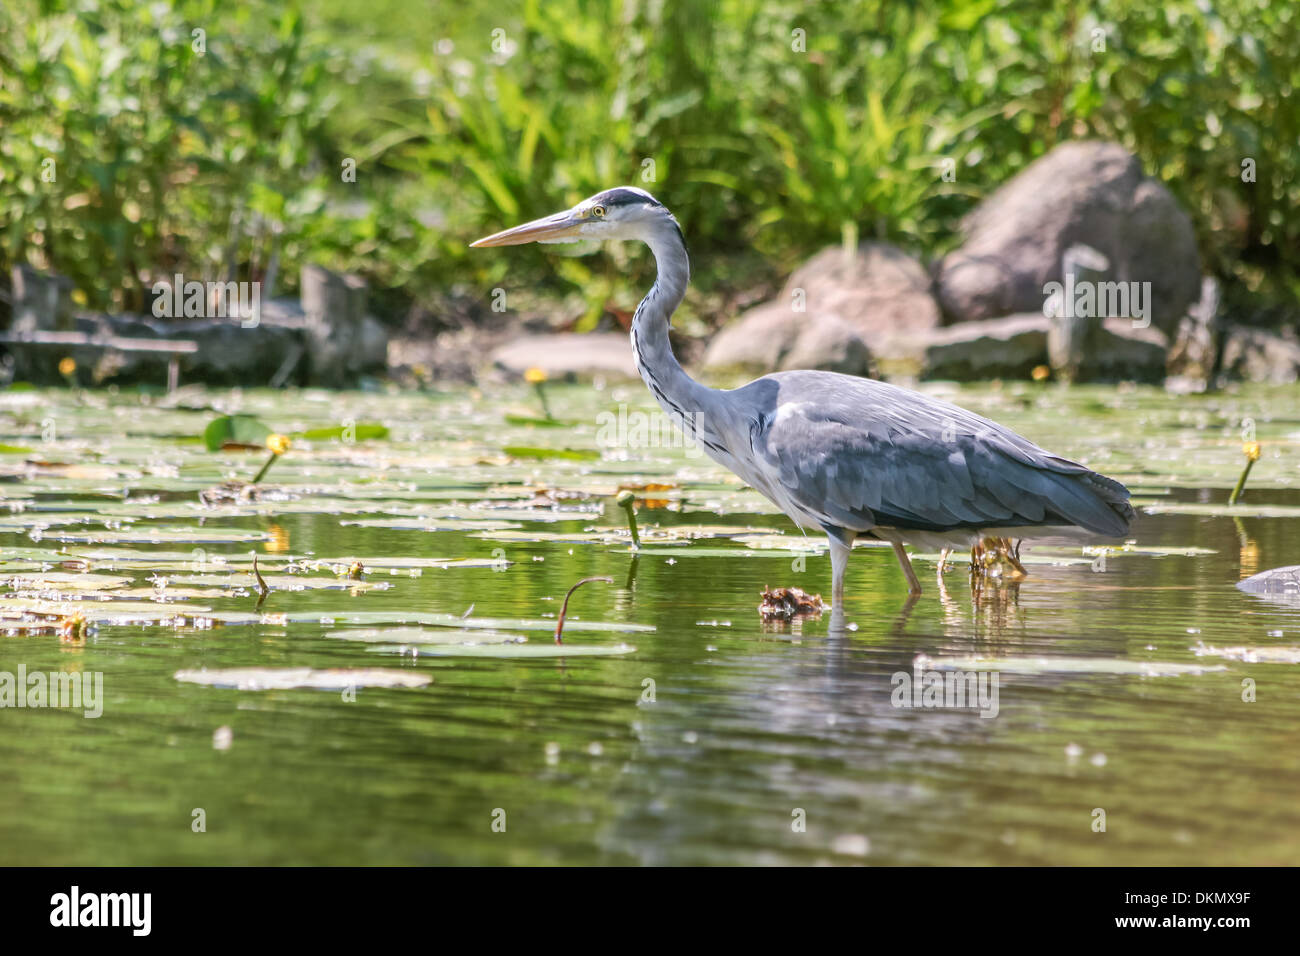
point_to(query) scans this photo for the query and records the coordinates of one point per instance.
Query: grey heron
(851, 456)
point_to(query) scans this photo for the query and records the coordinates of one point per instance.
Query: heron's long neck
(677, 393)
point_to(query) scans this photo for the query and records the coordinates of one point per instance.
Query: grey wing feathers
(862, 453)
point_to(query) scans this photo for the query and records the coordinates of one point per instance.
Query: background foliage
(464, 118)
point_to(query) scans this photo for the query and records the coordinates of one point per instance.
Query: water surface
(707, 743)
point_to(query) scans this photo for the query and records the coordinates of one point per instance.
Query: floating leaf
(534, 421)
(288, 678)
(567, 454)
(433, 524)
(276, 582)
(513, 651)
(420, 635)
(243, 431)
(60, 580)
(1239, 510)
(159, 535)
(362, 431)
(1061, 665)
(1251, 655)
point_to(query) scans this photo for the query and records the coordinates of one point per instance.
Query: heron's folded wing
(923, 465)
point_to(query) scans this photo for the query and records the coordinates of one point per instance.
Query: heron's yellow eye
(598, 212)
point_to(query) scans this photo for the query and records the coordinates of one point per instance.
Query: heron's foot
(997, 558)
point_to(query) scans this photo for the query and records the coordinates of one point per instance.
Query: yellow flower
(67, 366)
(535, 376)
(73, 629)
(1251, 450)
(1040, 373)
(278, 443)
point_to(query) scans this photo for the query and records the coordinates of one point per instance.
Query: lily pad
(1251, 655)
(276, 582)
(235, 430)
(1062, 665)
(62, 580)
(420, 635)
(289, 678)
(567, 454)
(511, 651)
(1242, 509)
(433, 524)
(362, 431)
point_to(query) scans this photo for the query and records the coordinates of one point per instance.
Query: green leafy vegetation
(135, 148)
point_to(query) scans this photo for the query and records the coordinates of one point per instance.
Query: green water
(707, 743)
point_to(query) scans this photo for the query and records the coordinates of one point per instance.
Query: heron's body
(850, 456)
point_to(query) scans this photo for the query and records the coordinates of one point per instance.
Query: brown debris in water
(785, 603)
(229, 492)
(73, 629)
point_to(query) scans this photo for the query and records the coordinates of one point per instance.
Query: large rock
(1259, 356)
(773, 337)
(1014, 346)
(829, 344)
(831, 313)
(998, 348)
(1195, 347)
(371, 352)
(569, 355)
(877, 292)
(334, 305)
(41, 301)
(1088, 193)
(757, 341)
(1120, 352)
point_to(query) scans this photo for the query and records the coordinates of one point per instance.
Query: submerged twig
(564, 608)
(261, 583)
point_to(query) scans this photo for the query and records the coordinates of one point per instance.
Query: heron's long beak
(562, 227)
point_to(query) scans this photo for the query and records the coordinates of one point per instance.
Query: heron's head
(624, 212)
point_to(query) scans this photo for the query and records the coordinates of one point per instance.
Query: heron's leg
(913, 585)
(840, 550)
(943, 561)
